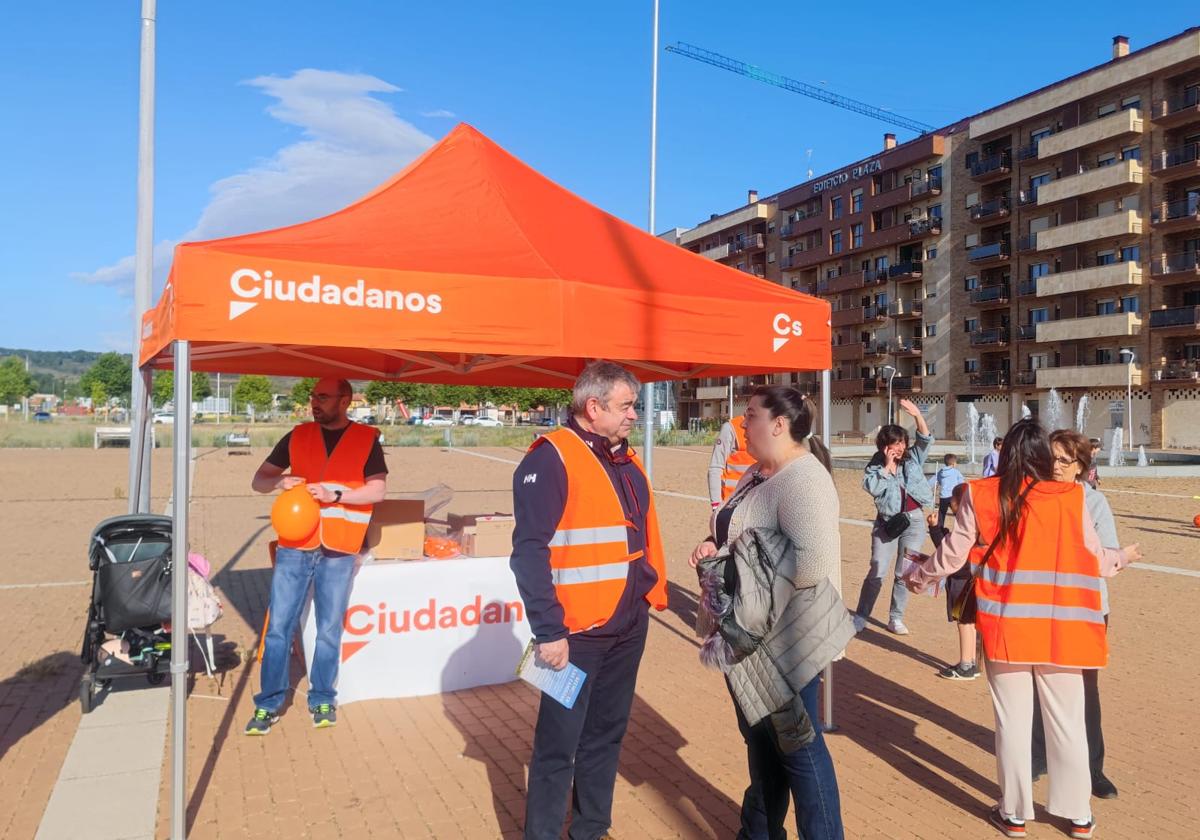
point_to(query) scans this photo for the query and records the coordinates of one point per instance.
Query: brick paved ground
(913, 752)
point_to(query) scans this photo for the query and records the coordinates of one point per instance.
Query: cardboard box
(459, 521)
(397, 529)
(488, 536)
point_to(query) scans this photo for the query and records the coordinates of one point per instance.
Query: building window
(972, 159)
(856, 235)
(881, 264)
(1105, 356)
(1105, 110)
(930, 368)
(970, 324)
(1107, 159)
(835, 242)
(1106, 307)
(972, 199)
(971, 240)
(1131, 253)
(930, 330)
(934, 174)
(770, 256)
(935, 211)
(970, 365)
(1129, 303)
(1037, 270)
(1106, 257)
(931, 253)
(856, 198)
(1131, 102)
(835, 207)
(971, 283)
(1131, 153)
(1039, 316)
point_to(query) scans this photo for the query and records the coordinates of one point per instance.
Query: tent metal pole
(139, 469)
(648, 388)
(179, 543)
(827, 723)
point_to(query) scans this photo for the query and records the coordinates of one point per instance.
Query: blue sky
(271, 112)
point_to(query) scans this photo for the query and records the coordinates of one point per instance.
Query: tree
(15, 381)
(201, 387)
(99, 396)
(114, 372)
(162, 389)
(302, 390)
(254, 390)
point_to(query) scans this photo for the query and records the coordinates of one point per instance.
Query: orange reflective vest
(343, 527)
(589, 553)
(738, 461)
(1039, 594)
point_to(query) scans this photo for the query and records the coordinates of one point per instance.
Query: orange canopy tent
(470, 267)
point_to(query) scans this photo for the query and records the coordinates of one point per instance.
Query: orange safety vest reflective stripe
(589, 552)
(1039, 594)
(738, 461)
(342, 527)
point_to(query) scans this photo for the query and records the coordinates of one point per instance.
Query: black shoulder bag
(898, 523)
(965, 607)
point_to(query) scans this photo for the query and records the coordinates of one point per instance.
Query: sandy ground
(913, 752)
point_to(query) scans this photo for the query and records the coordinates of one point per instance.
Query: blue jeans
(330, 577)
(807, 774)
(883, 560)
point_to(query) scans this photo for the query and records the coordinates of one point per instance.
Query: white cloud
(351, 143)
(441, 113)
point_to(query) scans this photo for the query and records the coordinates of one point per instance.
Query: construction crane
(743, 69)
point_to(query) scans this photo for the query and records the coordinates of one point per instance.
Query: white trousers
(1060, 691)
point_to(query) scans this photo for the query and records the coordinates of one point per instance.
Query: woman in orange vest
(1038, 563)
(730, 460)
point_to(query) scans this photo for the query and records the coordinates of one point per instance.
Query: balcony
(1025, 377)
(990, 211)
(875, 278)
(1182, 267)
(854, 387)
(753, 242)
(990, 295)
(1027, 288)
(1127, 273)
(1090, 326)
(906, 308)
(1029, 152)
(928, 187)
(1121, 223)
(906, 271)
(1177, 110)
(906, 384)
(718, 253)
(1176, 372)
(1177, 215)
(1026, 332)
(1027, 243)
(1117, 124)
(846, 317)
(798, 260)
(993, 252)
(841, 283)
(874, 314)
(848, 352)
(992, 168)
(874, 349)
(1180, 162)
(1182, 319)
(990, 379)
(1091, 180)
(712, 392)
(1087, 376)
(806, 222)
(906, 347)
(995, 337)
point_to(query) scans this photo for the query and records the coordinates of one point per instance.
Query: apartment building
(1052, 242)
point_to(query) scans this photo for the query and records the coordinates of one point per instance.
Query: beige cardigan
(801, 502)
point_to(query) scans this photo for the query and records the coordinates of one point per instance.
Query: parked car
(164, 417)
(438, 421)
(488, 422)
(547, 421)
(467, 419)
(416, 420)
(371, 420)
(42, 417)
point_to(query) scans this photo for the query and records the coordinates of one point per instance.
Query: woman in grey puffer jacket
(771, 574)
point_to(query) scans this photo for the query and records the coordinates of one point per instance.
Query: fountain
(1143, 461)
(987, 431)
(1081, 415)
(1116, 457)
(972, 429)
(1025, 412)
(1054, 411)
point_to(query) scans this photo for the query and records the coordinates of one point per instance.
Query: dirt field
(913, 752)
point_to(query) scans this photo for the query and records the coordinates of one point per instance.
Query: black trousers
(577, 749)
(943, 508)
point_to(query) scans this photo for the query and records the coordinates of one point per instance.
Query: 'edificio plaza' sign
(847, 175)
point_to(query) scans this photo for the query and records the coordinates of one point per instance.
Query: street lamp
(1129, 357)
(889, 371)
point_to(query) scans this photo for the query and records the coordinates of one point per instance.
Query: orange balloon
(1196, 521)
(295, 514)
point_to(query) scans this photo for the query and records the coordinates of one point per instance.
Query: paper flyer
(562, 685)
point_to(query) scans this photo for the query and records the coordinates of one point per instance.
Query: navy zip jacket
(539, 497)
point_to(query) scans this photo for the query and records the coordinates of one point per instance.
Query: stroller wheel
(86, 695)
(155, 677)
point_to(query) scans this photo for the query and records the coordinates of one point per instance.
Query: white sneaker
(897, 626)
(860, 623)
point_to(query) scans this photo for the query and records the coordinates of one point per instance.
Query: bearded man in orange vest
(342, 465)
(589, 564)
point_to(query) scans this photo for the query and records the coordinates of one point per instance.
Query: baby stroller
(131, 561)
